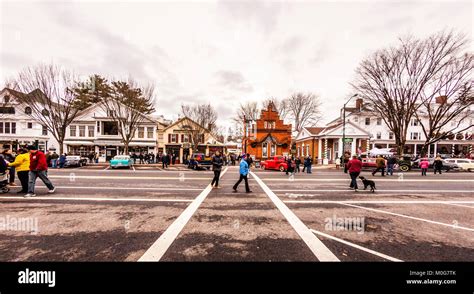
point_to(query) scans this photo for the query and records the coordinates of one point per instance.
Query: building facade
(93, 131)
(365, 130)
(17, 127)
(267, 136)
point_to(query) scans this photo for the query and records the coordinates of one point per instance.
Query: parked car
(200, 161)
(274, 163)
(368, 162)
(447, 166)
(75, 160)
(463, 163)
(121, 161)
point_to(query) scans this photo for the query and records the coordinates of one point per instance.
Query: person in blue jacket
(244, 171)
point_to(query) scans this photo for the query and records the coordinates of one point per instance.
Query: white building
(365, 130)
(93, 131)
(17, 128)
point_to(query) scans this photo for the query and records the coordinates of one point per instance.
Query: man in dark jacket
(354, 166)
(38, 169)
(438, 165)
(390, 164)
(249, 160)
(217, 163)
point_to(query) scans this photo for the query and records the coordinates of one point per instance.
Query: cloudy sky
(223, 52)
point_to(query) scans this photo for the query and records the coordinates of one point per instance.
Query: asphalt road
(130, 215)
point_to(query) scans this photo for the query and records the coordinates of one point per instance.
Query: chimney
(441, 99)
(359, 103)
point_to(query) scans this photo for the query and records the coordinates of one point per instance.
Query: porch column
(388, 145)
(414, 149)
(435, 149)
(340, 148)
(319, 151)
(325, 159)
(353, 147)
(429, 150)
(452, 150)
(180, 155)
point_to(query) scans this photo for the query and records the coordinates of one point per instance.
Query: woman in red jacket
(354, 167)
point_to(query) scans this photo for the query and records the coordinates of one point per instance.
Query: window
(1, 127)
(111, 113)
(265, 125)
(98, 127)
(141, 132)
(28, 110)
(379, 121)
(379, 135)
(174, 138)
(7, 110)
(185, 138)
(367, 121)
(45, 112)
(90, 131)
(264, 149)
(272, 150)
(82, 131)
(356, 119)
(44, 131)
(390, 135)
(72, 131)
(414, 122)
(150, 131)
(6, 99)
(415, 136)
(110, 128)
(13, 128)
(7, 128)
(307, 150)
(30, 125)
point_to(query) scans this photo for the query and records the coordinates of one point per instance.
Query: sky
(219, 52)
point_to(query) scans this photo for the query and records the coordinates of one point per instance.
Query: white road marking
(410, 217)
(395, 180)
(377, 191)
(382, 201)
(159, 248)
(315, 245)
(133, 168)
(96, 199)
(126, 177)
(107, 168)
(124, 188)
(356, 246)
(456, 204)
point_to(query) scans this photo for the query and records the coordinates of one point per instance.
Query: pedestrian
(62, 160)
(289, 168)
(345, 160)
(54, 159)
(438, 165)
(297, 164)
(249, 160)
(217, 163)
(308, 164)
(96, 157)
(163, 161)
(338, 163)
(38, 169)
(243, 171)
(22, 166)
(424, 164)
(380, 166)
(391, 161)
(140, 157)
(9, 157)
(354, 166)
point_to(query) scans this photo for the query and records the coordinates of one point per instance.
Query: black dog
(368, 183)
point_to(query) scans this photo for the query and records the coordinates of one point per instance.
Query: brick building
(267, 136)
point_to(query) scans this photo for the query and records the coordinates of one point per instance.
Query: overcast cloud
(223, 52)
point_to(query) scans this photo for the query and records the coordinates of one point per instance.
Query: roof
(315, 130)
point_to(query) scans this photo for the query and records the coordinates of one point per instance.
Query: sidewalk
(154, 166)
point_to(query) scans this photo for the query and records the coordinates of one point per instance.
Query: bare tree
(398, 81)
(127, 105)
(201, 121)
(303, 110)
(50, 97)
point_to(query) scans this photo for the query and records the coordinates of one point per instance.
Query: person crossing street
(244, 171)
(38, 169)
(217, 163)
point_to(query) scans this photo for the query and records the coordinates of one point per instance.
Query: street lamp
(344, 124)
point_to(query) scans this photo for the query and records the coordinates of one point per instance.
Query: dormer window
(28, 110)
(6, 98)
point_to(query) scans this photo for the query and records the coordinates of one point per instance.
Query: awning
(86, 143)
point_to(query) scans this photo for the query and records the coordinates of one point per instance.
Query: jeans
(54, 163)
(12, 175)
(423, 171)
(245, 178)
(308, 169)
(354, 176)
(390, 169)
(43, 175)
(217, 174)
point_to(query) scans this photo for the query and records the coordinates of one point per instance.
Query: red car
(369, 163)
(275, 163)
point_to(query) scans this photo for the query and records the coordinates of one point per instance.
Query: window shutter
(169, 138)
(182, 138)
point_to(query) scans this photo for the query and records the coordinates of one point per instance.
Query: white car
(463, 163)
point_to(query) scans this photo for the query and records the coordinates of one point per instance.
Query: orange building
(268, 136)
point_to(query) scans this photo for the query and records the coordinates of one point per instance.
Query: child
(424, 164)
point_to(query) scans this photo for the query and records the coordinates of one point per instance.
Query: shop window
(272, 149)
(264, 150)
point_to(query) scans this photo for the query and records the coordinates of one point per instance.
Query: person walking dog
(244, 171)
(354, 166)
